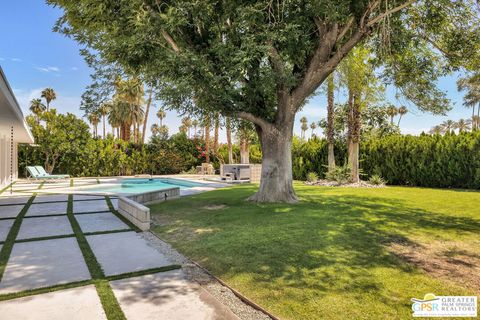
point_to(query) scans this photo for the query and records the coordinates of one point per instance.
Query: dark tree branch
(254, 119)
(345, 29)
(389, 12)
(308, 86)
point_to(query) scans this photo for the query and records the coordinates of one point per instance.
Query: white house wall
(5, 161)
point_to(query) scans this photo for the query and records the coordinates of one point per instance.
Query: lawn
(339, 253)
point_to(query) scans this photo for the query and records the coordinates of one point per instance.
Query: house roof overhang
(11, 115)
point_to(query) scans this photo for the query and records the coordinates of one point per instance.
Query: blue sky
(33, 57)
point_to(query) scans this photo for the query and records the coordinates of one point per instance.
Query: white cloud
(2, 59)
(74, 68)
(48, 69)
(16, 59)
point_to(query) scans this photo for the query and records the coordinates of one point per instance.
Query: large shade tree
(261, 60)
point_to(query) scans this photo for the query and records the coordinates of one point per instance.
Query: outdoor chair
(33, 173)
(44, 173)
(38, 172)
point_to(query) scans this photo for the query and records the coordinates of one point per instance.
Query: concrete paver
(86, 197)
(72, 304)
(42, 209)
(95, 222)
(115, 203)
(5, 226)
(90, 206)
(44, 227)
(37, 264)
(13, 200)
(167, 294)
(44, 263)
(50, 198)
(125, 252)
(10, 211)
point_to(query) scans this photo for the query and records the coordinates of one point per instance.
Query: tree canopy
(261, 60)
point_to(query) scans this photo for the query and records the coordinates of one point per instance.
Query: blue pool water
(135, 185)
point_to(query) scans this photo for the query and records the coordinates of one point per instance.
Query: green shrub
(312, 177)
(340, 174)
(376, 180)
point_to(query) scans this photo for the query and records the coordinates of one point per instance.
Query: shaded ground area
(336, 254)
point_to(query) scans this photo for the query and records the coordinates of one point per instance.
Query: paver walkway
(75, 257)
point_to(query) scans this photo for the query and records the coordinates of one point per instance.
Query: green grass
(328, 256)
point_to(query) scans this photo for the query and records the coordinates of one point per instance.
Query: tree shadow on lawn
(326, 243)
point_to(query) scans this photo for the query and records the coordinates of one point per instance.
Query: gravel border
(330, 183)
(209, 283)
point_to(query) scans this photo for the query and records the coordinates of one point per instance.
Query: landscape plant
(262, 60)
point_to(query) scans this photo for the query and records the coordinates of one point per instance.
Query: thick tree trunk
(276, 184)
(244, 151)
(330, 123)
(354, 120)
(353, 154)
(228, 124)
(125, 132)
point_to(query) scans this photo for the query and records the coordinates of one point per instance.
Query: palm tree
(436, 130)
(228, 125)
(115, 120)
(207, 123)
(163, 131)
(304, 127)
(103, 111)
(463, 125)
(187, 123)
(195, 125)
(475, 122)
(313, 126)
(392, 111)
(129, 99)
(161, 114)
(472, 97)
(154, 128)
(49, 95)
(448, 126)
(330, 121)
(138, 115)
(401, 111)
(94, 119)
(183, 129)
(37, 108)
(216, 123)
(147, 111)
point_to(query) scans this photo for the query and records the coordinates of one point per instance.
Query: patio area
(94, 186)
(68, 256)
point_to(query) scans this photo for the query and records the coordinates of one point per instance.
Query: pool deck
(25, 187)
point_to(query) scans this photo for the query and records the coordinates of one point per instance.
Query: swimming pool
(137, 185)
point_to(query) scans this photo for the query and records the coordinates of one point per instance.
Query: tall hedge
(449, 161)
